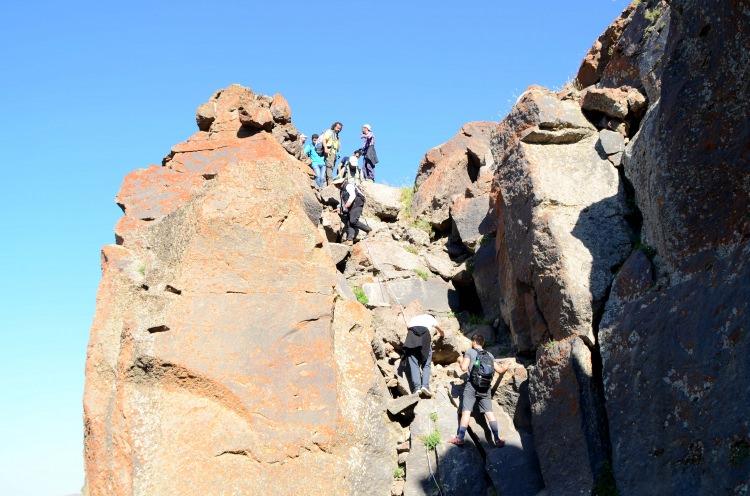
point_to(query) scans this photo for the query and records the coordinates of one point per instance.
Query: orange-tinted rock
(449, 169)
(600, 53)
(212, 364)
(280, 109)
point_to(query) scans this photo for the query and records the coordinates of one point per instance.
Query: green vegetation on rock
(360, 294)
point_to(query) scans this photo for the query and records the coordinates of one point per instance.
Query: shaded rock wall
(675, 339)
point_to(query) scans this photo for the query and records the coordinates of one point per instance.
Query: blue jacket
(309, 150)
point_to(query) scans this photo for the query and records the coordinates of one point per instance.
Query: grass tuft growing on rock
(399, 473)
(407, 199)
(434, 416)
(422, 274)
(423, 225)
(432, 440)
(411, 249)
(360, 294)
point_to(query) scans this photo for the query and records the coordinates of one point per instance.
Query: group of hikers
(324, 154)
(479, 363)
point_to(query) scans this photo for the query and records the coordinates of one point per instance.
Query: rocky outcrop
(450, 169)
(597, 238)
(674, 336)
(212, 366)
(562, 212)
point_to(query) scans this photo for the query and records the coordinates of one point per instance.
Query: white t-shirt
(423, 320)
(351, 190)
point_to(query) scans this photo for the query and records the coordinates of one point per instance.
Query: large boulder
(369, 455)
(390, 259)
(450, 169)
(674, 348)
(561, 227)
(213, 363)
(433, 294)
(383, 201)
(567, 418)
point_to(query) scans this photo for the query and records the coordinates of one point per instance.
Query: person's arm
(440, 331)
(464, 362)
(352, 195)
(325, 142)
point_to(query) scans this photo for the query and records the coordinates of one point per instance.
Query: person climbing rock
(349, 168)
(317, 162)
(481, 366)
(331, 145)
(351, 205)
(418, 352)
(368, 152)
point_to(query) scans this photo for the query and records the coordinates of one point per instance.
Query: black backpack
(482, 371)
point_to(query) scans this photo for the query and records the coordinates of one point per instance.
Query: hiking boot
(456, 440)
(498, 443)
(425, 393)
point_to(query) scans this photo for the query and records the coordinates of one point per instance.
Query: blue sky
(92, 90)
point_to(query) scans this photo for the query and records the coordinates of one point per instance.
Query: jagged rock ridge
(597, 237)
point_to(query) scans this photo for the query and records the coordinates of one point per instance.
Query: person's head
(315, 137)
(302, 138)
(366, 128)
(357, 153)
(477, 341)
(337, 126)
(338, 182)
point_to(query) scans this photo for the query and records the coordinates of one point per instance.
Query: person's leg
(467, 405)
(354, 216)
(485, 406)
(320, 174)
(412, 364)
(330, 161)
(354, 213)
(427, 371)
(369, 169)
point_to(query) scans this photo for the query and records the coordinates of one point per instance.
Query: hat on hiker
(338, 180)
(303, 137)
(367, 126)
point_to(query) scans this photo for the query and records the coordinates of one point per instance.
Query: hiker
(368, 152)
(351, 205)
(330, 147)
(317, 162)
(418, 352)
(349, 168)
(481, 367)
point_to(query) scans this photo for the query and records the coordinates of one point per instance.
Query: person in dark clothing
(368, 152)
(351, 205)
(418, 352)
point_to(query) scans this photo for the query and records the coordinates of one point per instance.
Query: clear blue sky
(91, 90)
